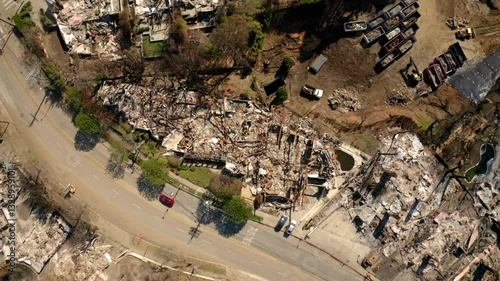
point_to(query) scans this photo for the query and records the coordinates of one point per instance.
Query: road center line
(206, 241)
(158, 218)
(115, 191)
(96, 177)
(78, 163)
(256, 263)
(136, 205)
(59, 145)
(231, 252)
(281, 274)
(181, 230)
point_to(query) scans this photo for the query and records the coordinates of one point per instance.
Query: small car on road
(167, 201)
(291, 227)
(281, 223)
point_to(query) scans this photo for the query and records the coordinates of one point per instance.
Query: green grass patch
(257, 218)
(151, 49)
(470, 173)
(197, 175)
(22, 19)
(425, 126)
(122, 128)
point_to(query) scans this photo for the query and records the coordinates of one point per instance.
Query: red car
(167, 201)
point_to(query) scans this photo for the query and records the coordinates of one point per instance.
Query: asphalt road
(51, 135)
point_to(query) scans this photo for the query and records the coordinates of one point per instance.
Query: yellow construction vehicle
(415, 74)
(465, 33)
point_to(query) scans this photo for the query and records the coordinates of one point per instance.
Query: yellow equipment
(465, 33)
(416, 74)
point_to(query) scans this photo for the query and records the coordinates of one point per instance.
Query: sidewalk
(191, 187)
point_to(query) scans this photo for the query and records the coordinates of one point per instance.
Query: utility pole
(8, 37)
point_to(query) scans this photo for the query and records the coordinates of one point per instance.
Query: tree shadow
(115, 170)
(210, 215)
(149, 191)
(85, 141)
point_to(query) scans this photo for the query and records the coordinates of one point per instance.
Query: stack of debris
(457, 21)
(32, 240)
(400, 200)
(270, 153)
(344, 101)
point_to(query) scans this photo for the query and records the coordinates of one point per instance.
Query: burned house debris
(272, 154)
(26, 239)
(409, 209)
(199, 14)
(87, 27)
(92, 28)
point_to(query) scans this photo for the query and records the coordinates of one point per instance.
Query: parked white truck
(312, 91)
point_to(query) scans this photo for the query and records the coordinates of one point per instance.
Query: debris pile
(412, 209)
(199, 13)
(148, 109)
(86, 28)
(344, 101)
(456, 22)
(87, 260)
(31, 240)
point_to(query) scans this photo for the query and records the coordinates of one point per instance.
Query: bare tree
(133, 65)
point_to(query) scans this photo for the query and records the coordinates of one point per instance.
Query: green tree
(155, 171)
(178, 31)
(238, 210)
(282, 94)
(287, 63)
(87, 123)
(257, 36)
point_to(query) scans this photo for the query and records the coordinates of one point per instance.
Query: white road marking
(9, 5)
(181, 230)
(26, 108)
(206, 241)
(115, 191)
(281, 274)
(59, 145)
(136, 205)
(96, 177)
(231, 252)
(78, 163)
(256, 263)
(158, 218)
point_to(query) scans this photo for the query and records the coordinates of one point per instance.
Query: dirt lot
(350, 70)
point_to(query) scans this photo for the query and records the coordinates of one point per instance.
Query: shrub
(87, 123)
(221, 184)
(265, 18)
(238, 210)
(46, 21)
(287, 63)
(257, 36)
(282, 94)
(56, 82)
(74, 98)
(155, 171)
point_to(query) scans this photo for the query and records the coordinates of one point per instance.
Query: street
(49, 133)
